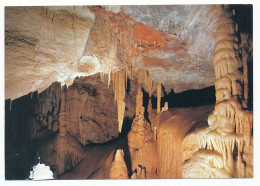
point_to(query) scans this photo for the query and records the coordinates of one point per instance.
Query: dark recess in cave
(189, 98)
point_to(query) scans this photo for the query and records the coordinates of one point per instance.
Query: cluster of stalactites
(230, 117)
(224, 145)
(120, 79)
(145, 80)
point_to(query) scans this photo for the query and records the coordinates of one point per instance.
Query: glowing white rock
(41, 172)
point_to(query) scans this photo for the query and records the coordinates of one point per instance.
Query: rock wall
(59, 122)
(171, 132)
(43, 45)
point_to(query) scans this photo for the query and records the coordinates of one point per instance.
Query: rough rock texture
(85, 109)
(43, 45)
(90, 111)
(72, 41)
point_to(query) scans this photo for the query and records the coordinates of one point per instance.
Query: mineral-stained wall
(228, 139)
(76, 41)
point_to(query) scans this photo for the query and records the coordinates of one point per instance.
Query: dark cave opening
(189, 98)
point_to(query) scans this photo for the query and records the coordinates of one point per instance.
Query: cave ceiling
(46, 44)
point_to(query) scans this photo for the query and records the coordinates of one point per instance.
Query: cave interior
(129, 92)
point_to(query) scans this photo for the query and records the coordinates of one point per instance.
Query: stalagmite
(159, 94)
(140, 132)
(230, 125)
(118, 169)
(139, 109)
(165, 108)
(119, 79)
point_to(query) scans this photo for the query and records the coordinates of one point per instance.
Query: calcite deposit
(230, 125)
(129, 92)
(118, 169)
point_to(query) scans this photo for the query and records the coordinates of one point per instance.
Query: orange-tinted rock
(140, 132)
(118, 169)
(147, 157)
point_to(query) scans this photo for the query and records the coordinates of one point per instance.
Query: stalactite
(119, 79)
(226, 60)
(159, 94)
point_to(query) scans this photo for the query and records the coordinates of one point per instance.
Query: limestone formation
(229, 134)
(140, 132)
(159, 94)
(118, 169)
(119, 85)
(97, 91)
